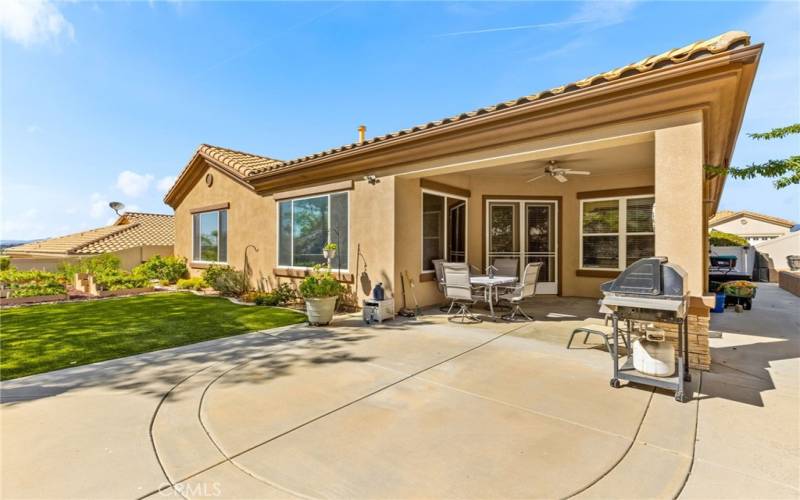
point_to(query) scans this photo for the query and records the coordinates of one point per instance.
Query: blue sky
(107, 101)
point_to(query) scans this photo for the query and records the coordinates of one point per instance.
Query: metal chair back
(437, 266)
(506, 266)
(456, 281)
(530, 277)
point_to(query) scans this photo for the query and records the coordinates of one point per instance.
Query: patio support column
(679, 214)
(680, 224)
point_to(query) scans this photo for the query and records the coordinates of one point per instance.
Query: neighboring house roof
(131, 230)
(249, 167)
(728, 215)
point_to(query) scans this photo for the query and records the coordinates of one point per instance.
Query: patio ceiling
(607, 161)
(604, 156)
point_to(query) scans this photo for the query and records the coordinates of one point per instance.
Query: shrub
(321, 283)
(5, 262)
(167, 268)
(119, 280)
(225, 279)
(262, 298)
(268, 299)
(720, 239)
(38, 290)
(285, 293)
(100, 264)
(191, 284)
(278, 297)
(31, 283)
(12, 277)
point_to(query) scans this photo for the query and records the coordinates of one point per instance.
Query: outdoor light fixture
(372, 179)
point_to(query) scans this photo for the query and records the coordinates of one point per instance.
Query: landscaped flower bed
(24, 287)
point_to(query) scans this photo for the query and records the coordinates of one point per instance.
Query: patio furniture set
(499, 287)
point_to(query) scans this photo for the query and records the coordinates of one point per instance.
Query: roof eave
(746, 54)
(185, 181)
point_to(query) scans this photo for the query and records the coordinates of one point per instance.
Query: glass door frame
(521, 202)
(446, 228)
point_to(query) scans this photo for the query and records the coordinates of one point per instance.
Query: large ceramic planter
(320, 311)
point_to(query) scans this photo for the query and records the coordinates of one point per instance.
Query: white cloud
(602, 14)
(166, 183)
(593, 14)
(30, 22)
(133, 184)
(98, 206)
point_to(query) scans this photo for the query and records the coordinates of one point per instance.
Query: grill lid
(649, 277)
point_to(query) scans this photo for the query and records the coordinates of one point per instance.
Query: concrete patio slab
(710, 481)
(409, 408)
(425, 440)
(644, 472)
(516, 371)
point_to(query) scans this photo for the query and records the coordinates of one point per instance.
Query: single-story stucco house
(134, 237)
(752, 226)
(460, 188)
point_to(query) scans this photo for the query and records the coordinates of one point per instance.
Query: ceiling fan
(558, 173)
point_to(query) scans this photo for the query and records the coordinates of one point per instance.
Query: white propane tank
(653, 355)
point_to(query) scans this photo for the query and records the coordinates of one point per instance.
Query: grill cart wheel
(615, 383)
(679, 397)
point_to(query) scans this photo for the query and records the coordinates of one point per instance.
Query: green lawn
(46, 337)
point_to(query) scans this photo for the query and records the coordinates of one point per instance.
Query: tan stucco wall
(132, 257)
(38, 263)
(252, 219)
(679, 213)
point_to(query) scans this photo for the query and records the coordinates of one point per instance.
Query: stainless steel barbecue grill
(650, 290)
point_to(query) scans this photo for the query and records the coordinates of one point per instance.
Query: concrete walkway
(748, 435)
(407, 409)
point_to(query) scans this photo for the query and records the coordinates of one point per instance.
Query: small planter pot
(320, 310)
(329, 254)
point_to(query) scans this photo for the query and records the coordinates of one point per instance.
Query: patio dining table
(491, 283)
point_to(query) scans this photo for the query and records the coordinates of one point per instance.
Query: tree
(786, 170)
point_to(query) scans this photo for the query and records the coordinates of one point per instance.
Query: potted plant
(320, 291)
(329, 250)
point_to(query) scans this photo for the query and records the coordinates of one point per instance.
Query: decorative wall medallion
(209, 180)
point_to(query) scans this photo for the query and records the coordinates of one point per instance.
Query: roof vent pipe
(362, 132)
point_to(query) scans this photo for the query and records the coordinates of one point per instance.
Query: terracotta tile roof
(243, 164)
(715, 45)
(131, 230)
(726, 215)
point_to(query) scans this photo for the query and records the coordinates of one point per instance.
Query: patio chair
(437, 266)
(506, 266)
(525, 289)
(605, 332)
(460, 291)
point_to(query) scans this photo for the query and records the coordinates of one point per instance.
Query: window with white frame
(616, 232)
(306, 225)
(444, 229)
(210, 236)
